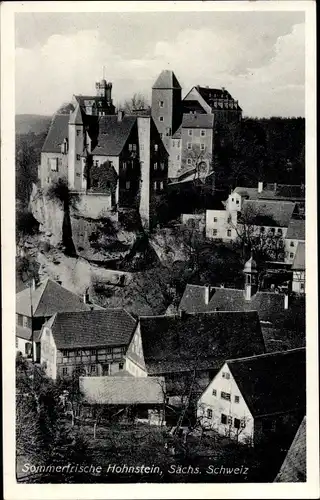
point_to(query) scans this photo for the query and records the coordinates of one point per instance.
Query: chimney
(286, 300)
(120, 115)
(206, 294)
(260, 187)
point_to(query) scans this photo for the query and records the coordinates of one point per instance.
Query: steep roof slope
(123, 390)
(211, 95)
(296, 230)
(268, 212)
(190, 120)
(110, 327)
(113, 134)
(58, 131)
(299, 263)
(166, 80)
(204, 341)
(47, 299)
(272, 383)
(293, 469)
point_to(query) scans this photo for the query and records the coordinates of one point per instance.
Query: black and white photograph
(163, 178)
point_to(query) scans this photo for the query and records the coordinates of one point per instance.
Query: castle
(127, 160)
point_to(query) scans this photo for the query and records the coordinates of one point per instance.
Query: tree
(136, 102)
(65, 108)
(60, 192)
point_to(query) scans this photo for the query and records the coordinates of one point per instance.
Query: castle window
(78, 157)
(155, 185)
(160, 118)
(236, 423)
(132, 147)
(214, 392)
(121, 366)
(178, 157)
(161, 103)
(189, 161)
(226, 375)
(203, 133)
(214, 232)
(124, 165)
(161, 185)
(209, 413)
(155, 166)
(291, 255)
(224, 419)
(215, 219)
(78, 132)
(54, 164)
(237, 399)
(229, 233)
(292, 243)
(65, 370)
(190, 131)
(202, 147)
(156, 147)
(189, 146)
(225, 395)
(168, 131)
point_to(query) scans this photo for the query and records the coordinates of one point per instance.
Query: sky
(259, 57)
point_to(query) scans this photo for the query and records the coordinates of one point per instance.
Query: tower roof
(76, 116)
(166, 80)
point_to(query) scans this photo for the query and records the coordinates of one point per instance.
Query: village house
(35, 305)
(299, 270)
(293, 469)
(189, 349)
(124, 398)
(256, 398)
(91, 342)
(294, 236)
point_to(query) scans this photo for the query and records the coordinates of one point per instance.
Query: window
(224, 419)
(178, 157)
(124, 165)
(161, 135)
(78, 352)
(77, 174)
(214, 232)
(225, 395)
(272, 230)
(93, 369)
(292, 243)
(65, 353)
(162, 166)
(202, 147)
(214, 392)
(161, 103)
(17, 342)
(243, 423)
(189, 161)
(237, 399)
(203, 133)
(155, 186)
(93, 352)
(123, 350)
(155, 166)
(78, 132)
(19, 319)
(156, 147)
(121, 366)
(189, 146)
(209, 413)
(65, 370)
(279, 231)
(97, 163)
(229, 420)
(160, 118)
(132, 147)
(236, 423)
(226, 375)
(291, 255)
(262, 229)
(178, 144)
(229, 233)
(302, 286)
(215, 219)
(168, 131)
(78, 158)
(54, 164)
(127, 184)
(190, 131)
(161, 185)
(109, 350)
(237, 202)
(25, 321)
(232, 199)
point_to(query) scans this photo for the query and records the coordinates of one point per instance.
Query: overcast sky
(258, 56)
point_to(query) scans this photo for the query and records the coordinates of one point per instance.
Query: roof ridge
(267, 354)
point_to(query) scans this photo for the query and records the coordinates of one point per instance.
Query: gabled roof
(267, 304)
(166, 80)
(272, 383)
(111, 327)
(23, 332)
(299, 263)
(267, 212)
(58, 131)
(204, 341)
(113, 134)
(197, 120)
(47, 299)
(123, 390)
(296, 230)
(293, 469)
(76, 118)
(211, 96)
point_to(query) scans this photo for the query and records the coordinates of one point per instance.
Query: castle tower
(104, 90)
(76, 148)
(250, 272)
(166, 104)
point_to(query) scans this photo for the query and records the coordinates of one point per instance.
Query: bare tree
(137, 102)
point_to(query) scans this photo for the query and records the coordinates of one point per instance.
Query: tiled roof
(76, 118)
(197, 120)
(293, 469)
(47, 299)
(299, 263)
(268, 212)
(166, 80)
(58, 131)
(111, 327)
(174, 343)
(272, 383)
(280, 192)
(123, 390)
(113, 134)
(177, 134)
(23, 333)
(211, 96)
(267, 304)
(296, 230)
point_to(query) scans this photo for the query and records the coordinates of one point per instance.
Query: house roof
(272, 383)
(296, 230)
(113, 134)
(177, 134)
(76, 118)
(90, 100)
(174, 343)
(111, 327)
(123, 390)
(267, 304)
(58, 131)
(197, 120)
(299, 258)
(275, 192)
(166, 80)
(268, 212)
(23, 333)
(293, 469)
(211, 95)
(47, 299)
